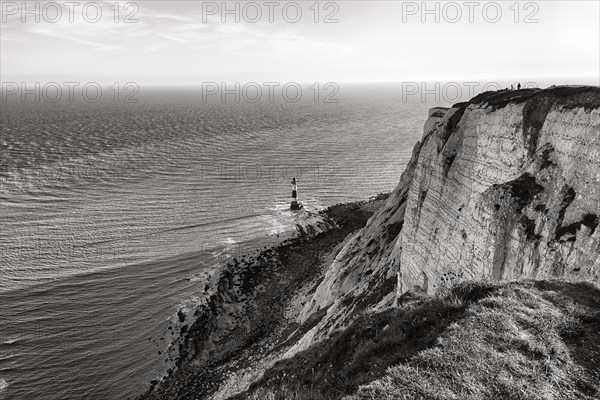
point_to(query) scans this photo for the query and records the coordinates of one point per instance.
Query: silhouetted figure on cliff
(519, 86)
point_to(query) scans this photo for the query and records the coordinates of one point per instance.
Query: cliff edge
(503, 187)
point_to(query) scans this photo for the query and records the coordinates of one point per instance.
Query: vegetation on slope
(245, 318)
(529, 340)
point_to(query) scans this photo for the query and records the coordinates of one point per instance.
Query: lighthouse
(295, 205)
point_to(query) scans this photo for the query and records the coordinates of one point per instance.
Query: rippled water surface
(108, 209)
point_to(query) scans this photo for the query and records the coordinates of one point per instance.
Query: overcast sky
(177, 43)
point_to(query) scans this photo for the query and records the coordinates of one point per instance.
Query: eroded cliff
(503, 187)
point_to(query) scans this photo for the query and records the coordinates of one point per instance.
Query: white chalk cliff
(503, 187)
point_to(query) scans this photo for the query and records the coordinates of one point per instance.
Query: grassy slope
(528, 340)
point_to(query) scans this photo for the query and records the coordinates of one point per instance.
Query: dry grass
(524, 342)
(475, 341)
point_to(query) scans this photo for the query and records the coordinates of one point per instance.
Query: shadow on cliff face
(529, 340)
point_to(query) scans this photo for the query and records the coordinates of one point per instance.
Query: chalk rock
(503, 187)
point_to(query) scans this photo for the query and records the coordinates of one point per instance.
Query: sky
(191, 42)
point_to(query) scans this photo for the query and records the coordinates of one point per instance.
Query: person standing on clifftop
(519, 86)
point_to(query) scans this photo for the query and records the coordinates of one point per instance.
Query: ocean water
(112, 212)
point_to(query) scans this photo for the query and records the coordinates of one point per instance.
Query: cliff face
(503, 187)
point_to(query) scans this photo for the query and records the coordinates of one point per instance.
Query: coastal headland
(476, 278)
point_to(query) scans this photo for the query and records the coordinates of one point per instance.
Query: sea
(112, 211)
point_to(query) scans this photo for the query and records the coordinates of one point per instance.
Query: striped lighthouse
(295, 205)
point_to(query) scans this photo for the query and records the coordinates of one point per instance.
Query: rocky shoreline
(249, 318)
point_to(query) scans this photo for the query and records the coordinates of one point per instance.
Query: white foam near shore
(11, 340)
